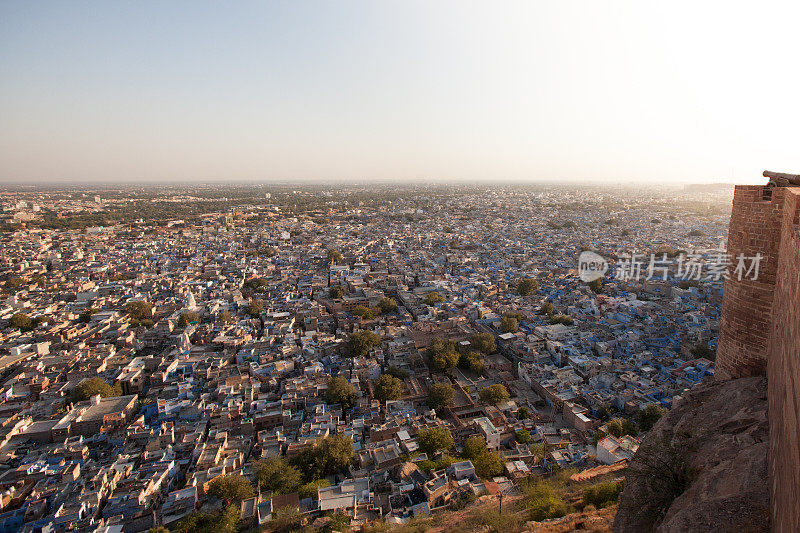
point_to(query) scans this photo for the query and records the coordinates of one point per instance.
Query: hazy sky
(406, 90)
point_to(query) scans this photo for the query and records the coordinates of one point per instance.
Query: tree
(187, 318)
(443, 354)
(434, 440)
(364, 312)
(472, 361)
(254, 308)
(388, 388)
(139, 310)
(399, 373)
(15, 282)
(334, 452)
(596, 285)
(523, 436)
(361, 342)
(474, 446)
(433, 298)
(538, 450)
(614, 427)
(255, 285)
(629, 428)
(650, 415)
(561, 319)
(445, 360)
(21, 321)
(336, 292)
(202, 522)
(334, 256)
(275, 474)
(225, 317)
(93, 386)
(619, 427)
(440, 395)
(701, 349)
(509, 324)
(483, 342)
(523, 413)
(494, 394)
(489, 464)
(527, 286)
(309, 490)
(231, 489)
(341, 391)
(86, 316)
(547, 309)
(229, 519)
(387, 305)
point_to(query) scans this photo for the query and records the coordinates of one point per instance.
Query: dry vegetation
(552, 505)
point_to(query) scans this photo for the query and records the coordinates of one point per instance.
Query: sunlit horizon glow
(405, 91)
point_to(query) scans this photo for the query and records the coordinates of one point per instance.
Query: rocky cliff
(703, 467)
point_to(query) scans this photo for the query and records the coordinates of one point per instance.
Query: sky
(398, 91)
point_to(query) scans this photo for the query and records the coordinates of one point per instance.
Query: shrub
(491, 520)
(649, 416)
(542, 502)
(286, 519)
(603, 494)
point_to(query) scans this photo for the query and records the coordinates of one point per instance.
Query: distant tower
(190, 301)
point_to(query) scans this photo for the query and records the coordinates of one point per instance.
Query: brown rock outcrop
(703, 467)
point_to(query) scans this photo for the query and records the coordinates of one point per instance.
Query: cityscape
(357, 266)
(374, 355)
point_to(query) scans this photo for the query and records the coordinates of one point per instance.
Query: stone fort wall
(783, 376)
(746, 318)
(760, 330)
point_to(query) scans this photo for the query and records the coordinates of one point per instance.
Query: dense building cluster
(333, 356)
